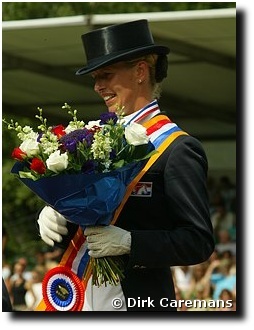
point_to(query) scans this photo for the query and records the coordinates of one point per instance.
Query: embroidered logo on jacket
(142, 189)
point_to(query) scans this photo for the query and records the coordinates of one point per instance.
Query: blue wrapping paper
(84, 199)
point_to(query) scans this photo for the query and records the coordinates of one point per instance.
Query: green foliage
(19, 205)
(32, 10)
(19, 209)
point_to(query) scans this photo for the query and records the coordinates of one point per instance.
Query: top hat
(118, 43)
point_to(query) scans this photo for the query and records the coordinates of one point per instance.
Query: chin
(112, 109)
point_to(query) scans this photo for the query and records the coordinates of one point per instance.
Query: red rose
(38, 166)
(59, 130)
(18, 154)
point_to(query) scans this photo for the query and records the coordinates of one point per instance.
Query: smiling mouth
(109, 97)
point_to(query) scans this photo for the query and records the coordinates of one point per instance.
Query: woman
(18, 288)
(170, 224)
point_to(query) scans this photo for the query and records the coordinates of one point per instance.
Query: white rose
(135, 134)
(30, 147)
(57, 162)
(93, 123)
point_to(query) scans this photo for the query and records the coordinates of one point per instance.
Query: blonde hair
(151, 60)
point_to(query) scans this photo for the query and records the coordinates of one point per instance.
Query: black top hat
(117, 43)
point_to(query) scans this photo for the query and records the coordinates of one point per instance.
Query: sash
(64, 286)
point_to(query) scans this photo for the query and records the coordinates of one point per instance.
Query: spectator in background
(225, 242)
(228, 297)
(180, 297)
(23, 262)
(222, 275)
(214, 256)
(6, 270)
(182, 278)
(48, 258)
(53, 254)
(222, 219)
(17, 288)
(6, 267)
(213, 195)
(33, 295)
(199, 285)
(227, 279)
(227, 191)
(6, 301)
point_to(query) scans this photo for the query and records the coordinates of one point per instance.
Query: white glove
(52, 225)
(107, 241)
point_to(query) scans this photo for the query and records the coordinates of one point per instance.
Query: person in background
(225, 243)
(6, 301)
(182, 276)
(171, 225)
(17, 287)
(33, 294)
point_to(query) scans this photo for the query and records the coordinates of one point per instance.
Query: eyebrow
(101, 71)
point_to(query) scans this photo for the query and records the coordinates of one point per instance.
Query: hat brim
(121, 56)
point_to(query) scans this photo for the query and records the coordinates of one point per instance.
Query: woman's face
(118, 85)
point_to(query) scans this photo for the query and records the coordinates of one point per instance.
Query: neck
(140, 103)
(148, 111)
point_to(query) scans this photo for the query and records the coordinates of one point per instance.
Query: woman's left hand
(107, 241)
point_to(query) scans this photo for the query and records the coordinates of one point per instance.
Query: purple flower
(71, 140)
(112, 154)
(71, 146)
(89, 167)
(39, 137)
(108, 117)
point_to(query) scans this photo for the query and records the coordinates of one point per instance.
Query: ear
(142, 71)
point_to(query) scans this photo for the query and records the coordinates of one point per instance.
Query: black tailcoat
(170, 228)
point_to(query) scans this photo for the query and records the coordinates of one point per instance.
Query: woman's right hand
(52, 225)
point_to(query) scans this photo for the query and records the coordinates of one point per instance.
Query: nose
(98, 85)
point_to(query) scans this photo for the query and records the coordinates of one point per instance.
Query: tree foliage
(19, 205)
(32, 10)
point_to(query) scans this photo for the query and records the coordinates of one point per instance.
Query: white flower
(57, 162)
(101, 148)
(135, 134)
(49, 143)
(27, 129)
(30, 147)
(92, 123)
(27, 133)
(74, 125)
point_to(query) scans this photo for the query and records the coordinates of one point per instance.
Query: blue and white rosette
(62, 290)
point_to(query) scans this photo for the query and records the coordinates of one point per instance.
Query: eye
(103, 75)
(106, 75)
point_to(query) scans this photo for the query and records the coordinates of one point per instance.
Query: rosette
(62, 290)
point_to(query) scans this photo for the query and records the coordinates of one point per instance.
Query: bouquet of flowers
(82, 170)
